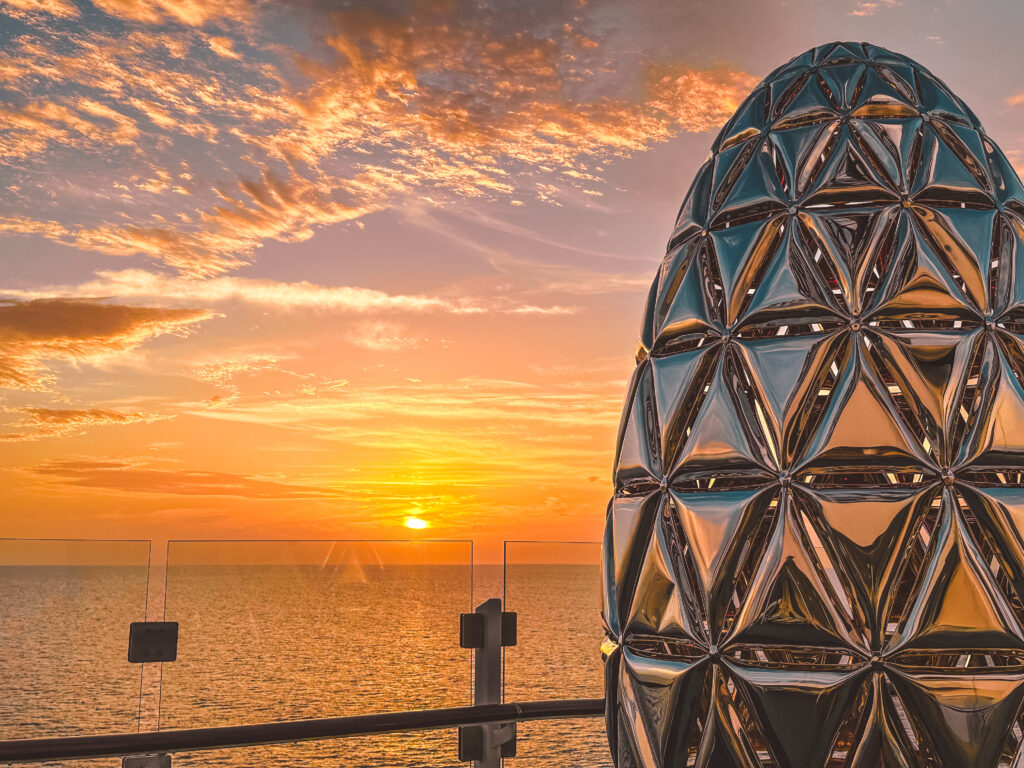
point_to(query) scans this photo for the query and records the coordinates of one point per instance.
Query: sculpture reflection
(814, 553)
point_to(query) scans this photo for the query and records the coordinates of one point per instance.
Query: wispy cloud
(120, 476)
(534, 276)
(557, 413)
(222, 373)
(470, 449)
(542, 277)
(142, 284)
(37, 423)
(212, 144)
(1016, 158)
(383, 336)
(30, 8)
(871, 7)
(189, 12)
(29, 129)
(34, 334)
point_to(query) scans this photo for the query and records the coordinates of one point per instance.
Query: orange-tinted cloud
(29, 8)
(871, 7)
(28, 130)
(37, 423)
(221, 373)
(35, 333)
(139, 477)
(1016, 158)
(140, 284)
(226, 147)
(222, 46)
(191, 12)
(498, 457)
(381, 336)
(486, 429)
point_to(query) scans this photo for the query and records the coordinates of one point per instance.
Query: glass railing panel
(65, 610)
(305, 629)
(554, 587)
(424, 749)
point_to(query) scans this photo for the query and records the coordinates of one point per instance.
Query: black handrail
(192, 739)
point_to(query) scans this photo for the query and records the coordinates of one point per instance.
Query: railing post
(151, 644)
(487, 631)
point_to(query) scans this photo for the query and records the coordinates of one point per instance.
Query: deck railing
(150, 747)
(241, 612)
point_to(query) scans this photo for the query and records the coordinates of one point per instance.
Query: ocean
(290, 641)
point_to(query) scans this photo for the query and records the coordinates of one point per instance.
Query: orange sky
(314, 270)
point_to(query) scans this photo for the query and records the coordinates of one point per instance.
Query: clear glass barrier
(304, 629)
(65, 609)
(555, 588)
(423, 749)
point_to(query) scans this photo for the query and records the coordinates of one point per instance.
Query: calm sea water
(262, 643)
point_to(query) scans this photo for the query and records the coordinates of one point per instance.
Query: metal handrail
(225, 737)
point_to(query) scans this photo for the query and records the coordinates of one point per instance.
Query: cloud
(1016, 100)
(122, 476)
(190, 12)
(28, 130)
(557, 409)
(871, 7)
(266, 208)
(221, 373)
(472, 441)
(384, 337)
(140, 284)
(424, 217)
(1016, 158)
(37, 423)
(29, 8)
(223, 46)
(35, 333)
(566, 278)
(212, 144)
(534, 276)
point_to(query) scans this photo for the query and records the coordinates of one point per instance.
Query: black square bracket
(152, 641)
(471, 743)
(508, 749)
(509, 628)
(471, 630)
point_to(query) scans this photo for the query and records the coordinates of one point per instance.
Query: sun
(416, 523)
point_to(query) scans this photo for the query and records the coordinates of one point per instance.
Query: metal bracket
(472, 629)
(487, 631)
(152, 641)
(477, 742)
(146, 761)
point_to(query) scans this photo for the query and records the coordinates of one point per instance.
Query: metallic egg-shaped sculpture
(814, 554)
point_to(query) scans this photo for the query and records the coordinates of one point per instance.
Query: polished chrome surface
(814, 554)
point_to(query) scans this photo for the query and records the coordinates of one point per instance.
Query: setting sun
(416, 523)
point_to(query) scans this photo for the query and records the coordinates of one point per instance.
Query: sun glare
(416, 523)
